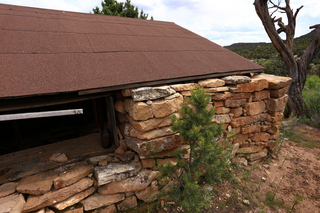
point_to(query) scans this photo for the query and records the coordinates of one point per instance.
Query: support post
(112, 120)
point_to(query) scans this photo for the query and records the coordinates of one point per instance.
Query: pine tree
(114, 8)
(208, 162)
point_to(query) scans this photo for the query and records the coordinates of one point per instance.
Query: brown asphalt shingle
(48, 51)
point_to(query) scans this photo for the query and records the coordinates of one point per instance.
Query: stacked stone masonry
(250, 107)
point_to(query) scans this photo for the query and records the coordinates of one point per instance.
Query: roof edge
(166, 81)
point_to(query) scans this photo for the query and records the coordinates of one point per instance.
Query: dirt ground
(288, 181)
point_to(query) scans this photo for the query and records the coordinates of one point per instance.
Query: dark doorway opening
(18, 135)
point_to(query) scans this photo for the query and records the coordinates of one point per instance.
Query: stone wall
(250, 107)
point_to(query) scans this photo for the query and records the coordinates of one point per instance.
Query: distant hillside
(263, 50)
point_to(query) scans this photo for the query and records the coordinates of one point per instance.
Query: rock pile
(249, 107)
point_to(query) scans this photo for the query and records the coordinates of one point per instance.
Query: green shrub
(208, 162)
(311, 96)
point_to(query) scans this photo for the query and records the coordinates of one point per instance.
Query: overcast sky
(212, 19)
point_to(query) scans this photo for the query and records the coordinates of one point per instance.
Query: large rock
(235, 79)
(241, 95)
(108, 209)
(239, 161)
(72, 174)
(166, 153)
(183, 87)
(250, 129)
(255, 108)
(261, 95)
(154, 146)
(126, 92)
(236, 111)
(217, 103)
(8, 188)
(13, 203)
(139, 111)
(274, 82)
(148, 163)
(211, 83)
(113, 172)
(74, 199)
(97, 200)
(119, 107)
(231, 96)
(217, 89)
(155, 133)
(151, 93)
(235, 149)
(128, 203)
(136, 183)
(52, 197)
(262, 117)
(96, 159)
(239, 138)
(221, 96)
(277, 105)
(254, 85)
(150, 124)
(161, 162)
(222, 110)
(250, 150)
(163, 108)
(149, 194)
(243, 121)
(263, 136)
(37, 184)
(224, 118)
(277, 93)
(235, 103)
(277, 117)
(257, 156)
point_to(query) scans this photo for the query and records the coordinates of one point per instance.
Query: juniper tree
(297, 65)
(208, 161)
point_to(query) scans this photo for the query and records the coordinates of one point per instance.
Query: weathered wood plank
(20, 116)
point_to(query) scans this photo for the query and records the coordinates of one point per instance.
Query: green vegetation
(289, 129)
(272, 201)
(114, 8)
(266, 55)
(208, 162)
(311, 96)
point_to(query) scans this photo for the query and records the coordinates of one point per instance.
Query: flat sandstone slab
(13, 203)
(52, 197)
(8, 188)
(113, 172)
(275, 82)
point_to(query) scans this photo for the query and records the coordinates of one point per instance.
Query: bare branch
(282, 26)
(317, 27)
(277, 6)
(296, 13)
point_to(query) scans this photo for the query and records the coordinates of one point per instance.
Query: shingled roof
(49, 51)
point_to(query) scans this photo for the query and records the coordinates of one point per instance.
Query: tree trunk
(298, 72)
(296, 105)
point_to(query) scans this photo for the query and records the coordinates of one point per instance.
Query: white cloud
(221, 22)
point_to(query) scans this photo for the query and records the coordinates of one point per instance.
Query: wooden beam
(46, 100)
(20, 116)
(112, 120)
